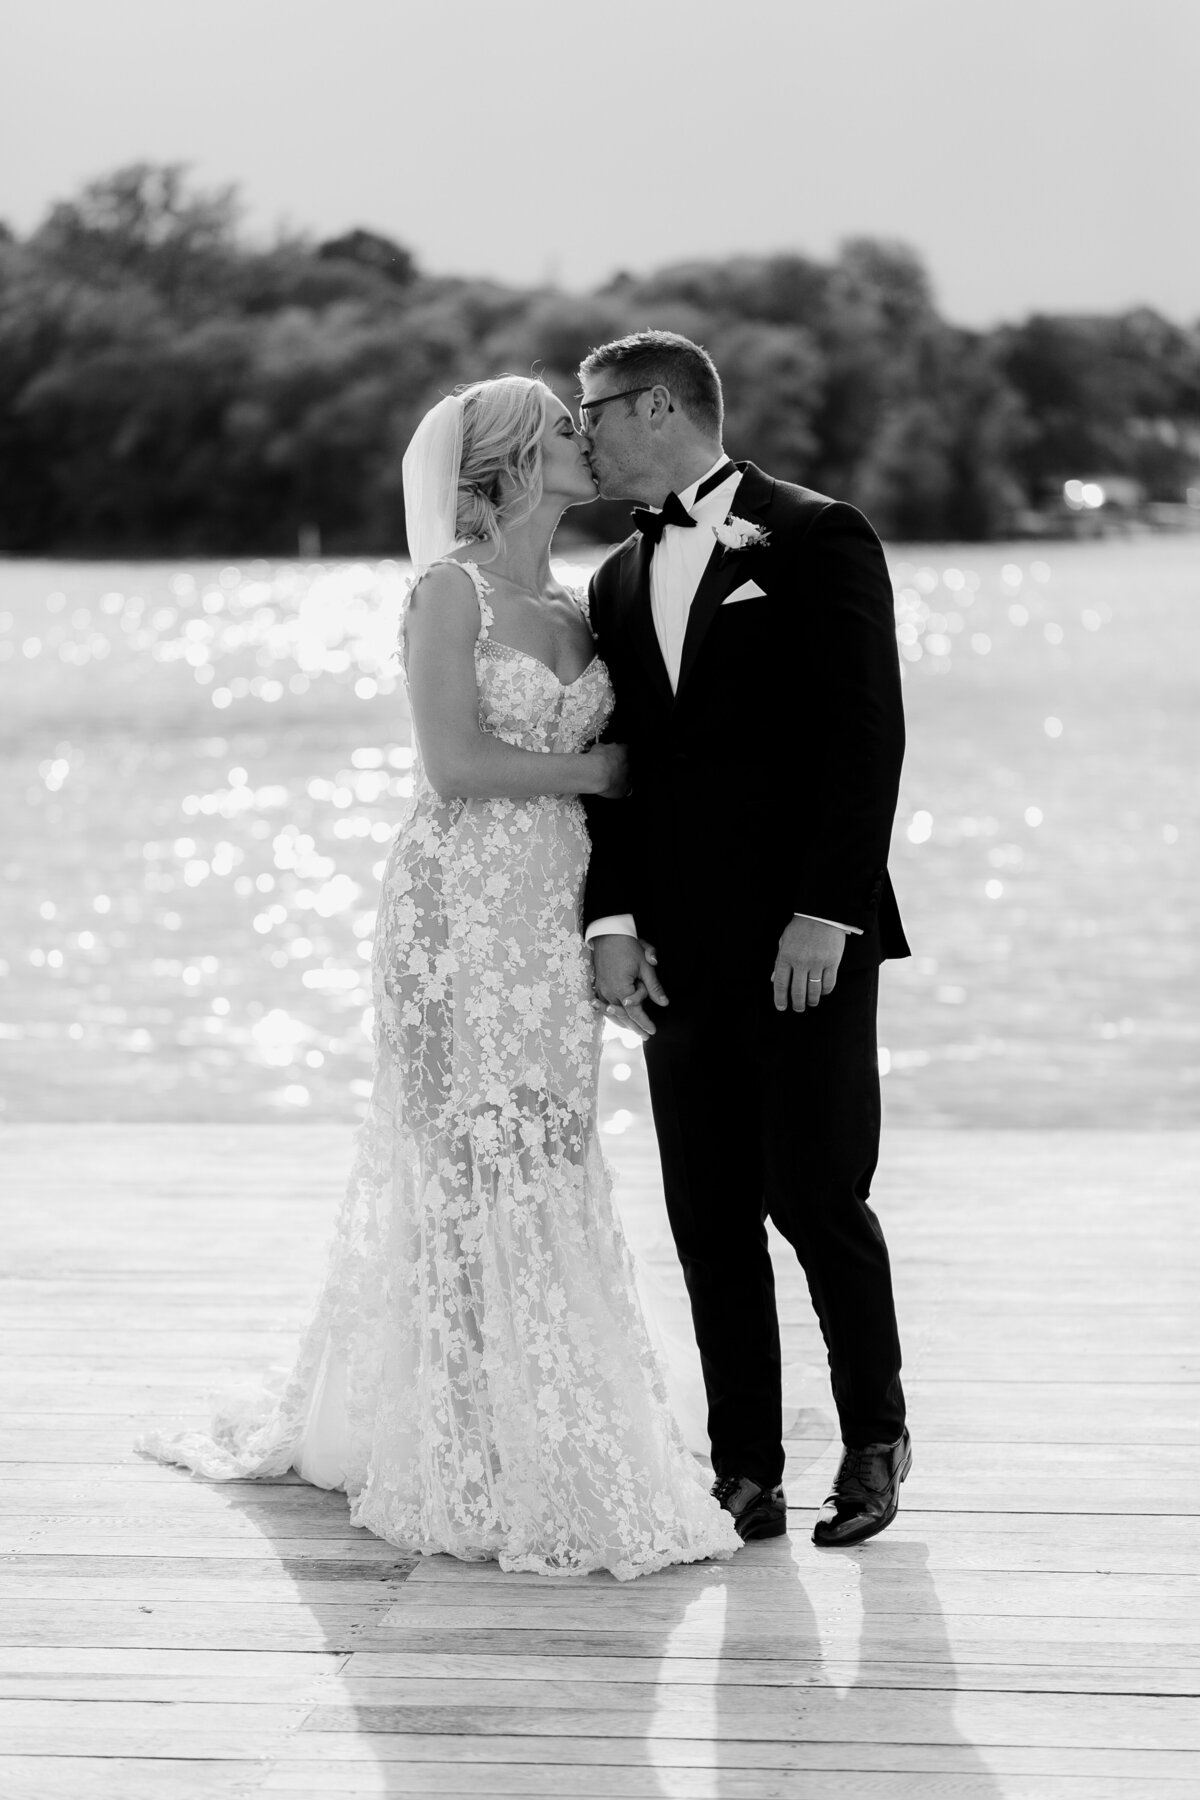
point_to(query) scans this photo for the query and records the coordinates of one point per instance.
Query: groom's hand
(625, 979)
(806, 965)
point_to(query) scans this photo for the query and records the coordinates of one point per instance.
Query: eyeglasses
(593, 406)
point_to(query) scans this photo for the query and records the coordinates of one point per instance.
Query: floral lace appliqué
(477, 1376)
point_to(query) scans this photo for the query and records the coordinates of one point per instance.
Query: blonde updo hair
(500, 476)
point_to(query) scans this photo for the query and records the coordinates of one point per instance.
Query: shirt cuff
(854, 930)
(611, 925)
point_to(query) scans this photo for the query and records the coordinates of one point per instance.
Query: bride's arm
(462, 761)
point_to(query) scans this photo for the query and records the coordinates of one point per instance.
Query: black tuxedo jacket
(766, 785)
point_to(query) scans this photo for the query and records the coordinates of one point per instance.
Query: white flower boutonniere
(740, 534)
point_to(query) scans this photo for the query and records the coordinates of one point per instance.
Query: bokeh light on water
(203, 767)
(1046, 851)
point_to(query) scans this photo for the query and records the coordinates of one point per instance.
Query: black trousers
(764, 1114)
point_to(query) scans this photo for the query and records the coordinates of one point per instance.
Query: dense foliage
(166, 387)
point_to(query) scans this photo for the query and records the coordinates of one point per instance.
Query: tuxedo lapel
(726, 569)
(639, 617)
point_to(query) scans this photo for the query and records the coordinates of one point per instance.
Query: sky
(1039, 154)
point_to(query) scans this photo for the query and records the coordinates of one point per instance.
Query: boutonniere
(740, 534)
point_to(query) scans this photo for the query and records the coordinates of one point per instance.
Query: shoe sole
(874, 1529)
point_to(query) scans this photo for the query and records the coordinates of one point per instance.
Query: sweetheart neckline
(528, 655)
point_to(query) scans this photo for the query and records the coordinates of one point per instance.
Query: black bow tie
(674, 512)
(653, 524)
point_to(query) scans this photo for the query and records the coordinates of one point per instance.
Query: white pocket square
(749, 590)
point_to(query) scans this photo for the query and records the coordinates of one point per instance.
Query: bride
(478, 1376)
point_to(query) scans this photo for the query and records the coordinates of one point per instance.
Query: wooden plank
(355, 1546)
(62, 1530)
(988, 1498)
(586, 1691)
(255, 1575)
(143, 1305)
(67, 1532)
(807, 1573)
(915, 1634)
(1069, 1668)
(127, 1468)
(137, 1717)
(1070, 1721)
(208, 1689)
(185, 1498)
(52, 1777)
(528, 1782)
(217, 1738)
(956, 1596)
(278, 1589)
(993, 1541)
(955, 1754)
(65, 1348)
(508, 1688)
(1001, 1160)
(939, 1461)
(120, 1778)
(794, 1719)
(1042, 1413)
(1091, 1545)
(132, 1625)
(79, 1440)
(1076, 1362)
(286, 1292)
(228, 1664)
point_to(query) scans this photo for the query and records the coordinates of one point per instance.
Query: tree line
(167, 387)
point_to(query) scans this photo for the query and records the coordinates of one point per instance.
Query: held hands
(626, 979)
(607, 766)
(807, 963)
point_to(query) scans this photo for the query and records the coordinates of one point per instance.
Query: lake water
(203, 764)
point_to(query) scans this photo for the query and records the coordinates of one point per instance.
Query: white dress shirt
(679, 561)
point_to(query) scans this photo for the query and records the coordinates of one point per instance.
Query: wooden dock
(1029, 1627)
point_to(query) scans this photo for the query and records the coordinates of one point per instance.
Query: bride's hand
(626, 977)
(608, 768)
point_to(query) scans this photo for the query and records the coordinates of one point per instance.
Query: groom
(738, 903)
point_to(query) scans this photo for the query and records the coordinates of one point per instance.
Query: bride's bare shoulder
(452, 580)
(446, 607)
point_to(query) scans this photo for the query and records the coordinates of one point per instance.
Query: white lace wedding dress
(478, 1376)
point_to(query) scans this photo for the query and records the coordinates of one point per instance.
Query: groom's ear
(661, 404)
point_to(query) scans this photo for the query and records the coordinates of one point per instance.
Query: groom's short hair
(647, 357)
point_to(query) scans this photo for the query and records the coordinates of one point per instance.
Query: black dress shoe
(757, 1512)
(866, 1492)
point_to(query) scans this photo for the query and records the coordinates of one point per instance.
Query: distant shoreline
(586, 548)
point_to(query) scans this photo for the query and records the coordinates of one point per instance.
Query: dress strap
(482, 589)
(487, 617)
